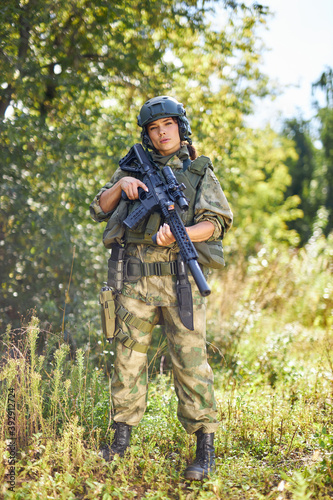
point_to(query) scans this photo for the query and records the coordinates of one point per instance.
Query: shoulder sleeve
(211, 204)
(95, 210)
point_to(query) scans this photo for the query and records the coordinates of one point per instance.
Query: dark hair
(191, 150)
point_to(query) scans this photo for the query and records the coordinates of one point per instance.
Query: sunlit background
(299, 41)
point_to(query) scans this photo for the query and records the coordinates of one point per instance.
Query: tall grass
(270, 341)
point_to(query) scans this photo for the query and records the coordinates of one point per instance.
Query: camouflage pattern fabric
(193, 377)
(156, 290)
(155, 296)
(211, 203)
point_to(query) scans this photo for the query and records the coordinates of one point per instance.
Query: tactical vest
(210, 253)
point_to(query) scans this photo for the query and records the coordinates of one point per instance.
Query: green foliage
(311, 170)
(271, 347)
(325, 116)
(306, 181)
(281, 287)
(74, 75)
(256, 178)
(326, 445)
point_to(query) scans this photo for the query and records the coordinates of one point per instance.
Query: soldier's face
(164, 135)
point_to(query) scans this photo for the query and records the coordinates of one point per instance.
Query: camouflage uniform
(153, 297)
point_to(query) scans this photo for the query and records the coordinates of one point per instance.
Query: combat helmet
(160, 107)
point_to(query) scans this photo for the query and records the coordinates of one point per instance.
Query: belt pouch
(116, 267)
(133, 269)
(108, 314)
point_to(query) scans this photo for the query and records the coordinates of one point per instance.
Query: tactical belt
(131, 320)
(134, 269)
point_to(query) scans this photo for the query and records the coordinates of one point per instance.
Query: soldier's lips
(163, 141)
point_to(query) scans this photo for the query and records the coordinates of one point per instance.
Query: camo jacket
(211, 204)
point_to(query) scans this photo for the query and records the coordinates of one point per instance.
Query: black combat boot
(205, 458)
(120, 442)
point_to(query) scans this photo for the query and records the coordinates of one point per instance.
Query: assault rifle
(164, 194)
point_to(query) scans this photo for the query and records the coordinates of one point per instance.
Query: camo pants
(193, 377)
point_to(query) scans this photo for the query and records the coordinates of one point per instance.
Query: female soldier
(149, 291)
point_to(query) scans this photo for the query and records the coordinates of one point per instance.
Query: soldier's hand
(164, 236)
(130, 186)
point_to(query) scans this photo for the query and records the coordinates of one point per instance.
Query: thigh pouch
(111, 311)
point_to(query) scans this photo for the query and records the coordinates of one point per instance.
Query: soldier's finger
(160, 237)
(141, 184)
